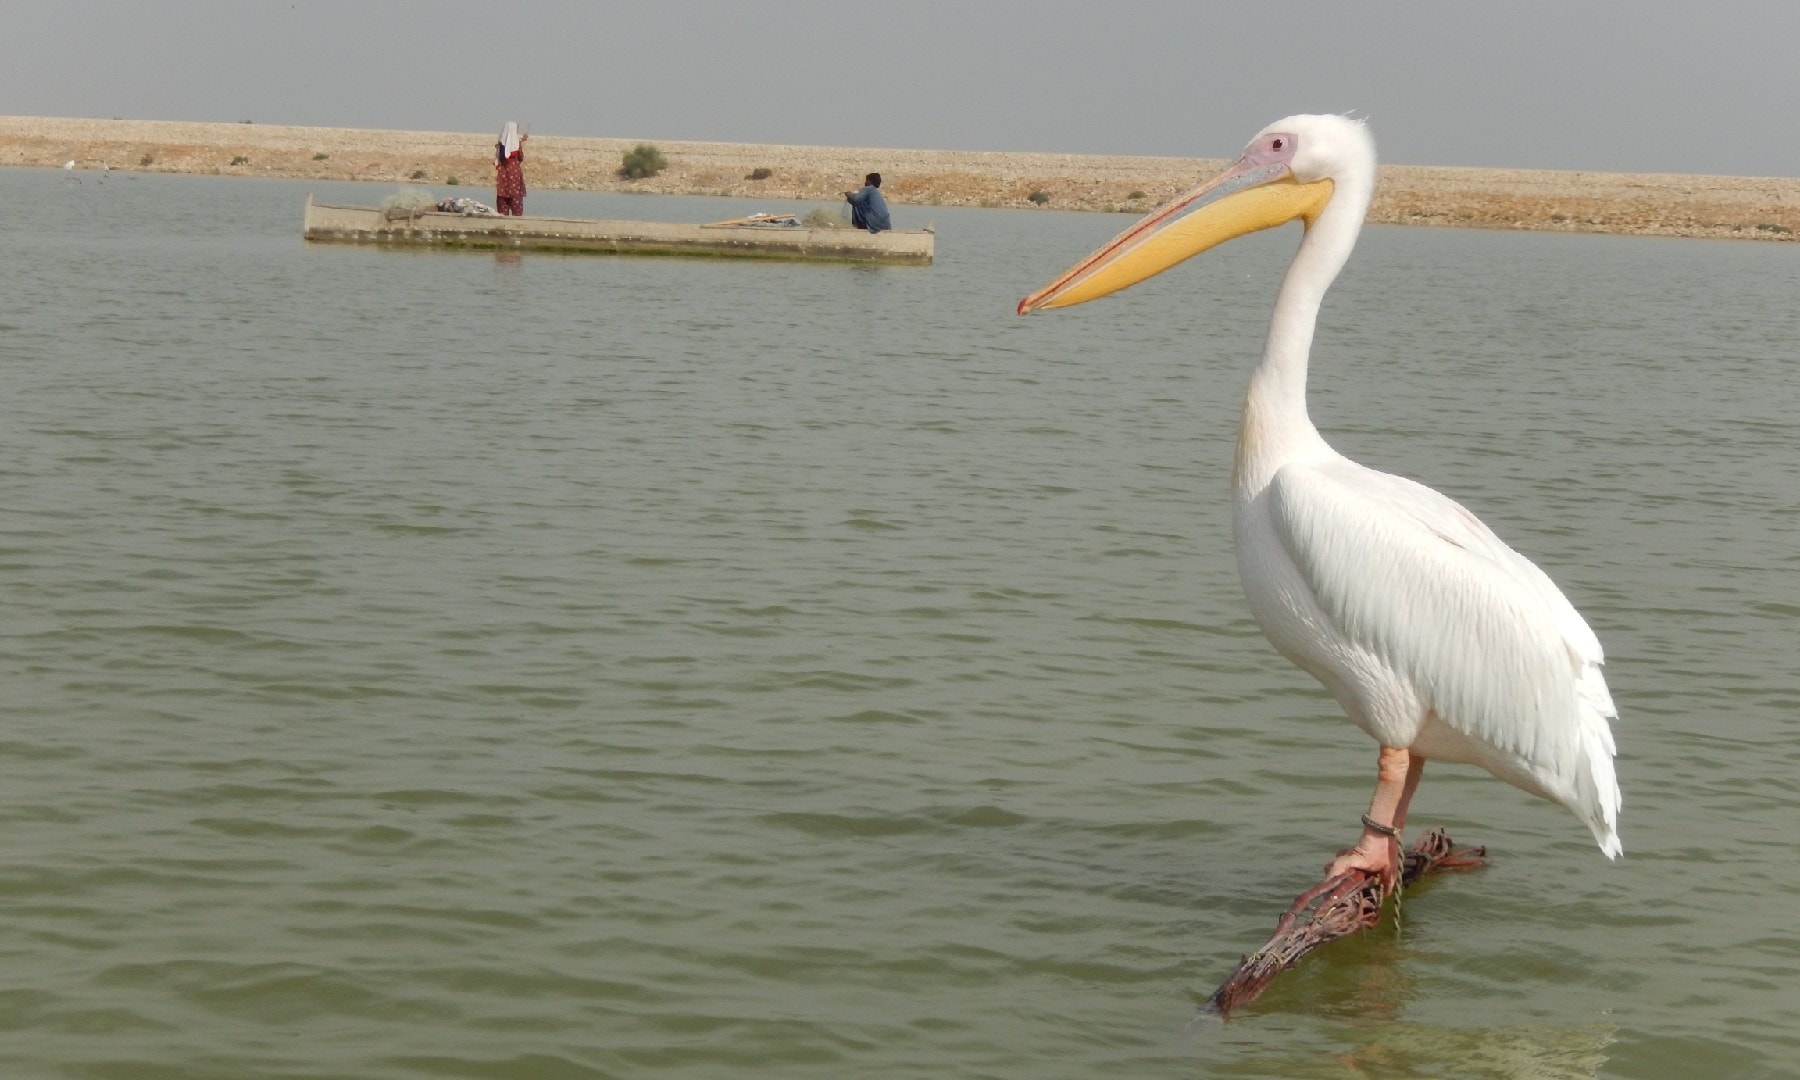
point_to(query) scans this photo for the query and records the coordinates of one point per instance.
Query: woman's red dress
(509, 183)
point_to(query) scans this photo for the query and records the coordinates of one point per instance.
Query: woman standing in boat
(509, 171)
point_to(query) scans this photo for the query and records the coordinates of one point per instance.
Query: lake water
(448, 665)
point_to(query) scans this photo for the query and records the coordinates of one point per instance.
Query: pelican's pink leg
(1415, 768)
(1377, 850)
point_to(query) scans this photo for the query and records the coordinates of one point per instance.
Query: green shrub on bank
(643, 160)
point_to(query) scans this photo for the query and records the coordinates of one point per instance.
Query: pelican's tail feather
(1601, 791)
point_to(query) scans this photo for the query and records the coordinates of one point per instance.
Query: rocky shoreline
(1630, 203)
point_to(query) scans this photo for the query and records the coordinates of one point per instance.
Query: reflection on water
(424, 664)
(1403, 1049)
(1364, 992)
(1513, 1053)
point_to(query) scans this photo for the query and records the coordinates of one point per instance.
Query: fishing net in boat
(827, 217)
(409, 198)
(408, 202)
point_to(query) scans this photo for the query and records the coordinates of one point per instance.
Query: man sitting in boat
(868, 210)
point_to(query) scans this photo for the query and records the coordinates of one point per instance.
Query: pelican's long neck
(1276, 428)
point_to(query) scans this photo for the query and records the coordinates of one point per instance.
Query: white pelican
(1437, 639)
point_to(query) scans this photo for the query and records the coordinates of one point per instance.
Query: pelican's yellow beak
(1242, 199)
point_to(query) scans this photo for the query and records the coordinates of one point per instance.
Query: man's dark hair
(873, 179)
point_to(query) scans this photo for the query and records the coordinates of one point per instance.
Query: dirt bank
(1648, 204)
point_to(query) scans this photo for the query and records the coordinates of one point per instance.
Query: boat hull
(326, 223)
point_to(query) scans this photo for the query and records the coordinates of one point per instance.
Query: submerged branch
(1335, 908)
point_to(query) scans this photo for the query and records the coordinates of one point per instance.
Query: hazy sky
(1700, 86)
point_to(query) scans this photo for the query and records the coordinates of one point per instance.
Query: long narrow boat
(745, 238)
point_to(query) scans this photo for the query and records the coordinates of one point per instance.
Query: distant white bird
(1437, 639)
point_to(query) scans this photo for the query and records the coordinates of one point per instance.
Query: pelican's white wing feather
(1481, 635)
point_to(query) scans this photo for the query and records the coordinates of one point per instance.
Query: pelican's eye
(1276, 146)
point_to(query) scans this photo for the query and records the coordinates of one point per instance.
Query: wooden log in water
(1335, 908)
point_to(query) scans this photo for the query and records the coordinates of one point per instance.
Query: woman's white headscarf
(509, 139)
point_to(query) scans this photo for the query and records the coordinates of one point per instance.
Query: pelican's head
(1290, 170)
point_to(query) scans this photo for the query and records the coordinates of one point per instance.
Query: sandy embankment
(1649, 204)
